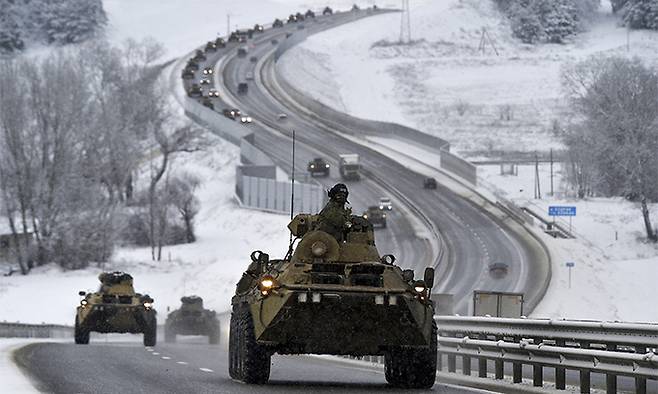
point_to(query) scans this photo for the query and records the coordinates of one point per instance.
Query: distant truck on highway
(349, 166)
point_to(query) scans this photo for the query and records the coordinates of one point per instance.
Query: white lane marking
(206, 370)
(148, 349)
(166, 358)
(155, 353)
(181, 362)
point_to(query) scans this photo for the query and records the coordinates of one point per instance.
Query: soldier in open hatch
(335, 218)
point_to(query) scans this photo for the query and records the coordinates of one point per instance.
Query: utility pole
(228, 25)
(405, 23)
(551, 172)
(537, 184)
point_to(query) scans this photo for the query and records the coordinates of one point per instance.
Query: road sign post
(570, 265)
(562, 211)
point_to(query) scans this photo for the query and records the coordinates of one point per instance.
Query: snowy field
(442, 84)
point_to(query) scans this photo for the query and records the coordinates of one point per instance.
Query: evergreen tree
(11, 39)
(560, 21)
(526, 26)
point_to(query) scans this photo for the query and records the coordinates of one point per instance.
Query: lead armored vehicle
(333, 296)
(115, 307)
(192, 319)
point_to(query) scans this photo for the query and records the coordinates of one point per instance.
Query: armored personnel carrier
(115, 307)
(333, 296)
(192, 319)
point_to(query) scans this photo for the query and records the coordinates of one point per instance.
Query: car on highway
(375, 216)
(233, 37)
(258, 28)
(277, 23)
(204, 81)
(318, 167)
(195, 91)
(187, 73)
(115, 308)
(207, 102)
(282, 117)
(327, 11)
(309, 14)
(498, 270)
(199, 56)
(208, 71)
(243, 88)
(292, 18)
(213, 93)
(220, 42)
(246, 119)
(249, 76)
(230, 113)
(192, 64)
(242, 52)
(253, 59)
(429, 183)
(385, 204)
(211, 47)
(274, 41)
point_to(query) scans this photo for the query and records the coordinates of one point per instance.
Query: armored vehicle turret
(192, 319)
(333, 294)
(115, 307)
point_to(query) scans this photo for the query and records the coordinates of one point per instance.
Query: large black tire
(150, 332)
(253, 360)
(213, 336)
(233, 345)
(169, 334)
(81, 334)
(412, 368)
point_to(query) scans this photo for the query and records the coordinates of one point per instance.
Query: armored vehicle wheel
(213, 337)
(233, 367)
(81, 335)
(412, 368)
(170, 335)
(150, 332)
(253, 360)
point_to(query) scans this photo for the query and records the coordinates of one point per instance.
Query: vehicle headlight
(381, 207)
(326, 165)
(384, 215)
(365, 216)
(84, 302)
(420, 287)
(312, 165)
(249, 119)
(148, 305)
(266, 284)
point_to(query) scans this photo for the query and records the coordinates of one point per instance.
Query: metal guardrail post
(439, 361)
(537, 370)
(466, 365)
(640, 383)
(610, 379)
(499, 365)
(452, 361)
(560, 373)
(585, 376)
(482, 363)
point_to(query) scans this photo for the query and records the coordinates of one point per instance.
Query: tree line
(613, 143)
(49, 22)
(86, 142)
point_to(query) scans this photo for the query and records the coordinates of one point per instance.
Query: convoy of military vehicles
(332, 293)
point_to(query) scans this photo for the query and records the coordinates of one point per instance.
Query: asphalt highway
(190, 366)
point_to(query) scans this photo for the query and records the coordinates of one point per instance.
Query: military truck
(192, 319)
(220, 42)
(349, 166)
(330, 296)
(199, 56)
(375, 216)
(187, 73)
(243, 88)
(195, 91)
(115, 307)
(318, 166)
(211, 47)
(327, 11)
(277, 23)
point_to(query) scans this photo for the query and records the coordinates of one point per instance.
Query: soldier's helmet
(337, 189)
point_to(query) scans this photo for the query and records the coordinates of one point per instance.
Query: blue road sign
(571, 264)
(561, 211)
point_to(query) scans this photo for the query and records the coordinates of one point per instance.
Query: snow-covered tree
(11, 37)
(560, 21)
(616, 142)
(526, 25)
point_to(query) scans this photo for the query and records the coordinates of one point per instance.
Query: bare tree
(616, 140)
(181, 195)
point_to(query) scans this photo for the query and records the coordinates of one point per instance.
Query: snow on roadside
(12, 378)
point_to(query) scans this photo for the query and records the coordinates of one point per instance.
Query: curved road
(473, 238)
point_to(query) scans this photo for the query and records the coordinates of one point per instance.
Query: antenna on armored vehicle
(292, 188)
